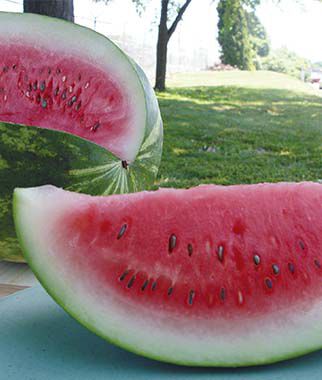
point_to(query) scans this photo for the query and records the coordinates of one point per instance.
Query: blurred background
(239, 82)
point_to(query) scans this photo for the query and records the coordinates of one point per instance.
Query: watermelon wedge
(211, 276)
(75, 111)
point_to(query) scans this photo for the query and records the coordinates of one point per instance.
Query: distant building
(316, 75)
(312, 75)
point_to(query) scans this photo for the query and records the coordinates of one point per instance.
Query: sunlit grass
(241, 130)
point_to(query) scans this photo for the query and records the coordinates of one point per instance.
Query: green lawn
(239, 127)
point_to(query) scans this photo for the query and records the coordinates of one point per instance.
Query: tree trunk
(161, 69)
(163, 39)
(162, 47)
(56, 8)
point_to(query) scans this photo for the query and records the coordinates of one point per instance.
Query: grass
(239, 127)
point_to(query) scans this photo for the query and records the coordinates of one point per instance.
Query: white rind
(65, 37)
(240, 341)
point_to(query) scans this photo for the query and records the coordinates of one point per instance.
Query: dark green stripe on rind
(41, 276)
(31, 156)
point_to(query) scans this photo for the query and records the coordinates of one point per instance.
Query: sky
(296, 26)
(299, 27)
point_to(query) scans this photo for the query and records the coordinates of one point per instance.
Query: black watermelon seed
(291, 267)
(172, 243)
(122, 231)
(14, 66)
(5, 69)
(95, 127)
(124, 164)
(302, 245)
(122, 277)
(170, 291)
(190, 249)
(191, 297)
(276, 269)
(145, 284)
(131, 282)
(35, 85)
(268, 283)
(256, 259)
(220, 253)
(56, 91)
(317, 263)
(64, 95)
(42, 86)
(58, 71)
(222, 294)
(78, 106)
(44, 103)
(154, 285)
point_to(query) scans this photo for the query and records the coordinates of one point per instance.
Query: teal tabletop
(39, 341)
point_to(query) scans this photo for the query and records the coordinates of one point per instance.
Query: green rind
(96, 48)
(134, 349)
(31, 156)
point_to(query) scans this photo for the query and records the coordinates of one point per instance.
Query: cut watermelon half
(60, 76)
(56, 78)
(211, 276)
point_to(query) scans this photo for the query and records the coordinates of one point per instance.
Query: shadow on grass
(232, 135)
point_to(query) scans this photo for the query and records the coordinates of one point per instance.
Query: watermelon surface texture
(75, 111)
(211, 276)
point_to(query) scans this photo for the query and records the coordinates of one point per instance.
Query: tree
(285, 61)
(233, 35)
(164, 36)
(258, 35)
(170, 10)
(56, 8)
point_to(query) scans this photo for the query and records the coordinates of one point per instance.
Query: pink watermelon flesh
(62, 92)
(225, 275)
(217, 250)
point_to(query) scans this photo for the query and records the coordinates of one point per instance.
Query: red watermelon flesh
(60, 92)
(215, 275)
(39, 88)
(59, 75)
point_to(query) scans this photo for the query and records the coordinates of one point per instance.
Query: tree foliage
(251, 3)
(285, 61)
(233, 35)
(139, 4)
(258, 35)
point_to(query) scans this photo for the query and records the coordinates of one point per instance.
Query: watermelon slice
(211, 276)
(65, 78)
